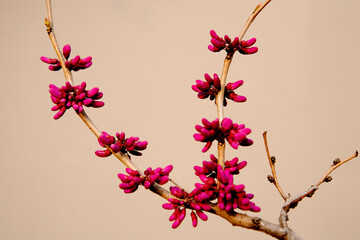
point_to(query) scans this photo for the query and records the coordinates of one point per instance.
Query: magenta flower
(211, 87)
(244, 47)
(131, 182)
(158, 175)
(179, 207)
(130, 145)
(234, 133)
(74, 96)
(233, 196)
(210, 167)
(75, 64)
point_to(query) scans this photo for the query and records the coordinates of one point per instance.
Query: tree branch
(273, 179)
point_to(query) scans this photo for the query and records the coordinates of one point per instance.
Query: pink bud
(214, 35)
(49, 60)
(207, 146)
(176, 223)
(235, 42)
(228, 207)
(241, 165)
(202, 215)
(75, 60)
(227, 39)
(86, 60)
(168, 206)
(58, 114)
(124, 178)
(251, 50)
(248, 43)
(213, 48)
(97, 104)
(87, 101)
(255, 209)
(66, 51)
(216, 81)
(162, 180)
(195, 88)
(55, 92)
(194, 219)
(115, 148)
(226, 124)
(92, 92)
(216, 43)
(239, 188)
(167, 170)
(182, 214)
(199, 137)
(205, 207)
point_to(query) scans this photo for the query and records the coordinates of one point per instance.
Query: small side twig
(273, 178)
(292, 202)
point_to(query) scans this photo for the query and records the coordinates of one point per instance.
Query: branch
(273, 179)
(219, 100)
(292, 202)
(86, 119)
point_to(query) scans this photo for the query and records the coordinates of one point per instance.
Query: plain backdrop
(302, 87)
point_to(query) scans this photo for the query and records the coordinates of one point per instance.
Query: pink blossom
(234, 133)
(130, 145)
(76, 97)
(131, 182)
(211, 87)
(218, 44)
(75, 64)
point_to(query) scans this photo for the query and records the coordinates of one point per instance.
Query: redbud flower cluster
(74, 96)
(217, 184)
(211, 87)
(234, 133)
(75, 64)
(244, 47)
(130, 145)
(131, 182)
(179, 207)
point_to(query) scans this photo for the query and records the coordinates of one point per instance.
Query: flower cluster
(217, 184)
(130, 145)
(209, 168)
(234, 133)
(131, 182)
(179, 207)
(74, 96)
(75, 64)
(244, 47)
(233, 196)
(211, 87)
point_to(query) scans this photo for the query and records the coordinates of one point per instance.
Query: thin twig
(51, 34)
(293, 201)
(272, 166)
(219, 100)
(335, 166)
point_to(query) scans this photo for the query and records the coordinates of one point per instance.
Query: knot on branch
(273, 159)
(336, 161)
(256, 222)
(271, 179)
(328, 179)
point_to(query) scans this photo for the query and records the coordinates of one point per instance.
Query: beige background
(302, 87)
